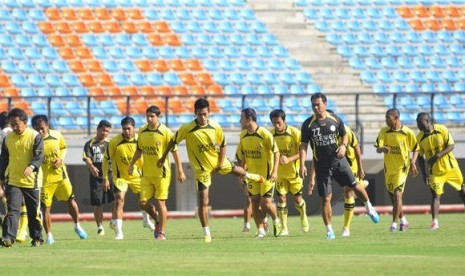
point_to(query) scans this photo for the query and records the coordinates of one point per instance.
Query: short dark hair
(3, 119)
(128, 120)
(38, 119)
(201, 103)
(319, 96)
(423, 114)
(103, 124)
(153, 109)
(18, 112)
(278, 113)
(250, 113)
(393, 111)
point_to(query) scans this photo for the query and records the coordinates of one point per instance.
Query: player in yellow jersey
(436, 145)
(21, 157)
(289, 181)
(152, 140)
(396, 141)
(120, 152)
(258, 152)
(56, 182)
(206, 150)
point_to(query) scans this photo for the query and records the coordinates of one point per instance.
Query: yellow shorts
(122, 185)
(154, 187)
(205, 177)
(62, 190)
(265, 189)
(289, 185)
(395, 181)
(453, 178)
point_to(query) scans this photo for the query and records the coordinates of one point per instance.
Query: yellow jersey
(121, 151)
(54, 147)
(288, 143)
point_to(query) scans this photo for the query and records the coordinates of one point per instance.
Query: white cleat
(149, 225)
(285, 233)
(345, 232)
(119, 237)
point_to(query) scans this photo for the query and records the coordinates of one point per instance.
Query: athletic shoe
(374, 215)
(157, 230)
(260, 235)
(285, 233)
(255, 177)
(119, 237)
(6, 243)
(245, 229)
(392, 229)
(101, 232)
(304, 223)
(21, 237)
(149, 225)
(161, 237)
(277, 229)
(345, 232)
(330, 235)
(404, 226)
(207, 239)
(50, 240)
(434, 226)
(36, 243)
(81, 233)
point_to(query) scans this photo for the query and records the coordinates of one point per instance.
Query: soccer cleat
(277, 229)
(36, 243)
(119, 236)
(207, 239)
(374, 215)
(260, 235)
(21, 237)
(245, 229)
(50, 240)
(304, 223)
(255, 177)
(161, 237)
(285, 233)
(149, 225)
(434, 226)
(157, 230)
(392, 228)
(101, 232)
(330, 235)
(6, 243)
(81, 233)
(404, 226)
(345, 232)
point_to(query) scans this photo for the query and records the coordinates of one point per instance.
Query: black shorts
(97, 195)
(339, 171)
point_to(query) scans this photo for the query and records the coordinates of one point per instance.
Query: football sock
(77, 225)
(436, 221)
(247, 225)
(119, 226)
(49, 235)
(394, 225)
(261, 231)
(403, 220)
(206, 231)
(329, 228)
(302, 208)
(145, 217)
(349, 204)
(282, 213)
(368, 206)
(22, 227)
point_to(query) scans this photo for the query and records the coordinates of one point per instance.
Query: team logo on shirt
(332, 128)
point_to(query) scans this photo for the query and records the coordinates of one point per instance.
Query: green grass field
(371, 249)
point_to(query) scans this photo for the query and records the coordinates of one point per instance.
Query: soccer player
(289, 181)
(258, 152)
(152, 140)
(120, 152)
(323, 131)
(21, 157)
(206, 150)
(396, 141)
(436, 145)
(94, 150)
(55, 177)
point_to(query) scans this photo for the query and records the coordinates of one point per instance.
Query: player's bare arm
(303, 157)
(136, 157)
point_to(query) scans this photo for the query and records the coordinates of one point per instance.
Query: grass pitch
(370, 250)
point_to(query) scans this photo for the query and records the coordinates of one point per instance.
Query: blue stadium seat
(7, 41)
(221, 78)
(401, 25)
(63, 92)
(287, 78)
(311, 14)
(151, 14)
(243, 65)
(449, 75)
(39, 107)
(109, 107)
(414, 37)
(389, 63)
(368, 77)
(121, 79)
(134, 53)
(361, 51)
(296, 89)
(345, 51)
(138, 79)
(457, 101)
(226, 65)
(433, 76)
(53, 80)
(231, 90)
(40, 40)
(386, 25)
(377, 51)
(409, 50)
(238, 40)
(438, 62)
(124, 40)
(446, 36)
(171, 78)
(270, 78)
(36, 80)
(150, 52)
(370, 25)
(110, 66)
(57, 108)
(421, 62)
(37, 15)
(444, 87)
(400, 76)
(13, 27)
(19, 81)
(9, 67)
(354, 26)
(30, 28)
(60, 66)
(5, 15)
(417, 76)
(45, 92)
(384, 76)
(280, 89)
(395, 88)
(210, 27)
(70, 80)
(49, 53)
(127, 66)
(405, 62)
(397, 37)
(379, 88)
(424, 101)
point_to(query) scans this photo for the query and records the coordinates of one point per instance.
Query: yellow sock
(22, 227)
(302, 208)
(282, 214)
(349, 204)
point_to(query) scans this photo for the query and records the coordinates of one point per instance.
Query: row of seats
(367, 3)
(414, 77)
(390, 63)
(405, 51)
(414, 87)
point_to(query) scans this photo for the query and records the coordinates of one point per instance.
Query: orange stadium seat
(180, 90)
(87, 80)
(56, 40)
(84, 52)
(4, 106)
(46, 27)
(4, 82)
(141, 105)
(156, 39)
(197, 90)
(73, 40)
(98, 93)
(405, 12)
(187, 79)
(105, 80)
(158, 102)
(11, 92)
(122, 106)
(214, 90)
(144, 65)
(437, 11)
(145, 26)
(173, 40)
(453, 11)
(86, 14)
(113, 91)
(417, 25)
(449, 24)
(112, 26)
(162, 27)
(194, 65)
(176, 106)
(205, 79)
(69, 14)
(461, 23)
(96, 27)
(162, 90)
(23, 105)
(94, 66)
(119, 14)
(177, 64)
(135, 14)
(421, 11)
(130, 90)
(76, 66)
(213, 105)
(53, 14)
(161, 65)
(79, 27)
(129, 27)
(102, 14)
(147, 90)
(434, 24)
(66, 53)
(63, 27)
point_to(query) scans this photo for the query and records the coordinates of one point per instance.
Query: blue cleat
(330, 235)
(374, 215)
(81, 233)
